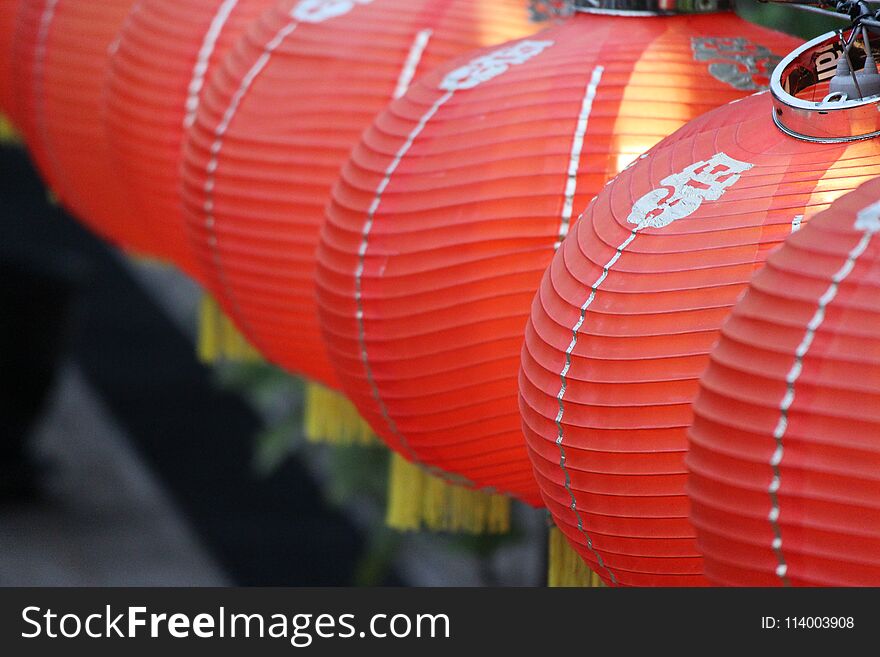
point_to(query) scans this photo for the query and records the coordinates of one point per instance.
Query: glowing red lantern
(276, 124)
(785, 446)
(63, 48)
(631, 306)
(161, 62)
(454, 201)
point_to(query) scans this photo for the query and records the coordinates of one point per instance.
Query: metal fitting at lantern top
(630, 7)
(825, 118)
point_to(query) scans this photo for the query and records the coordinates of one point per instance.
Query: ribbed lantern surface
(626, 315)
(457, 196)
(165, 54)
(63, 51)
(274, 128)
(785, 448)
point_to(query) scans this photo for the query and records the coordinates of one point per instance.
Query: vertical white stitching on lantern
(135, 10)
(217, 146)
(409, 69)
(791, 380)
(362, 254)
(470, 75)
(201, 66)
(306, 11)
(706, 180)
(563, 376)
(577, 147)
(39, 72)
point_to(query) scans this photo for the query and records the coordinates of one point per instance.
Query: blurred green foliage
(787, 19)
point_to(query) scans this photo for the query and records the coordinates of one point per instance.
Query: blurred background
(125, 461)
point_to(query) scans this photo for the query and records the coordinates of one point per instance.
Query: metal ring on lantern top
(629, 7)
(823, 122)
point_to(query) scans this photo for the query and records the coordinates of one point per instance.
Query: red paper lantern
(785, 447)
(63, 54)
(276, 124)
(161, 63)
(8, 13)
(453, 203)
(631, 306)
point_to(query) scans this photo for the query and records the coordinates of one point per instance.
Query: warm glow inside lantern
(277, 122)
(785, 448)
(457, 196)
(627, 313)
(62, 55)
(163, 57)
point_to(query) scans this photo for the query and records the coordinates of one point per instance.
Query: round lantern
(457, 196)
(158, 71)
(274, 127)
(627, 313)
(63, 54)
(785, 446)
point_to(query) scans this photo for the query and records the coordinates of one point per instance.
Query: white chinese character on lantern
(868, 219)
(317, 11)
(736, 61)
(545, 10)
(492, 65)
(682, 194)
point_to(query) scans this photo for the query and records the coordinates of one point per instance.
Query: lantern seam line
(47, 16)
(785, 405)
(472, 74)
(576, 151)
(563, 376)
(413, 60)
(359, 269)
(211, 167)
(697, 183)
(209, 43)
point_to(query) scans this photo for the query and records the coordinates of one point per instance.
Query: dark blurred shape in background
(68, 300)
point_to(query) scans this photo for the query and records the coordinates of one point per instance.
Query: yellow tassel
(565, 568)
(417, 500)
(332, 419)
(219, 339)
(8, 134)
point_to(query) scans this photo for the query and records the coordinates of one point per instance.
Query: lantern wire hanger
(847, 83)
(828, 90)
